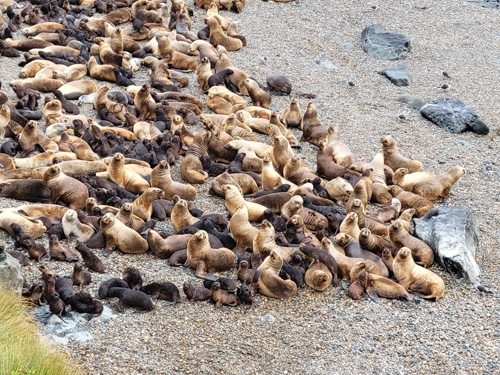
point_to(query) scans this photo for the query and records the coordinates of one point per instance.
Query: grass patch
(21, 350)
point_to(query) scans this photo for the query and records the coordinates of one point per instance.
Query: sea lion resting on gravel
(131, 298)
(118, 235)
(269, 283)
(68, 189)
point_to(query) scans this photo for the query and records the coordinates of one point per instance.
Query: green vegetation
(21, 350)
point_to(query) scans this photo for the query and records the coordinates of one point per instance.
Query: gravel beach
(310, 41)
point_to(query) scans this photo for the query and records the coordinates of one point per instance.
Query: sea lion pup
(80, 277)
(132, 276)
(61, 252)
(375, 243)
(180, 215)
(143, 205)
(57, 306)
(161, 178)
(131, 298)
(259, 97)
(31, 190)
(394, 159)
(292, 116)
(233, 199)
(423, 282)
(108, 284)
(350, 225)
(421, 253)
(365, 220)
(191, 167)
(221, 297)
(36, 250)
(269, 283)
(411, 200)
(218, 37)
(163, 248)
(162, 290)
(40, 84)
(123, 177)
(119, 236)
(245, 274)
(243, 232)
(388, 213)
(72, 227)
(318, 276)
(204, 259)
(342, 154)
(357, 288)
(83, 303)
(339, 190)
(278, 82)
(296, 232)
(439, 186)
(347, 263)
(68, 189)
(402, 177)
(195, 293)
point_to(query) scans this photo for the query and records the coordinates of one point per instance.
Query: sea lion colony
(307, 225)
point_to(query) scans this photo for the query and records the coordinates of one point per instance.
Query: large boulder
(453, 116)
(10, 271)
(397, 74)
(452, 235)
(381, 44)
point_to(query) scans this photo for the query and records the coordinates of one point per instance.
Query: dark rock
(452, 234)
(384, 45)
(453, 116)
(398, 75)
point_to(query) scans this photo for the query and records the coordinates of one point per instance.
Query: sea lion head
(395, 190)
(319, 277)
(457, 171)
(396, 203)
(363, 278)
(356, 202)
(333, 129)
(215, 286)
(266, 160)
(144, 89)
(126, 208)
(46, 272)
(395, 227)
(365, 232)
(341, 239)
(53, 239)
(107, 220)
(201, 236)
(53, 105)
(266, 224)
(296, 220)
(53, 171)
(388, 141)
(30, 127)
(180, 203)
(205, 61)
(275, 260)
(403, 255)
(297, 201)
(386, 254)
(55, 296)
(187, 287)
(5, 111)
(351, 217)
(70, 216)
(164, 166)
(243, 265)
(77, 267)
(229, 189)
(400, 173)
(326, 243)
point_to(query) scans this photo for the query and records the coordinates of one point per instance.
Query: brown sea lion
(245, 273)
(259, 97)
(31, 190)
(218, 37)
(72, 227)
(363, 265)
(191, 167)
(161, 178)
(360, 192)
(394, 159)
(163, 248)
(357, 288)
(318, 276)
(375, 243)
(421, 253)
(297, 172)
(274, 201)
(411, 200)
(142, 206)
(205, 259)
(385, 288)
(131, 298)
(119, 236)
(388, 213)
(439, 186)
(388, 259)
(39, 84)
(269, 283)
(402, 177)
(339, 190)
(68, 189)
(195, 293)
(312, 129)
(125, 215)
(418, 279)
(91, 260)
(242, 231)
(234, 199)
(80, 277)
(221, 297)
(180, 215)
(34, 228)
(61, 252)
(365, 220)
(124, 178)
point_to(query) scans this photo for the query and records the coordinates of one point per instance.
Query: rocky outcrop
(381, 44)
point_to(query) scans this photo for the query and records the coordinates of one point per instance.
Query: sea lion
(131, 298)
(411, 200)
(342, 154)
(30, 136)
(318, 276)
(259, 97)
(75, 89)
(39, 84)
(143, 205)
(402, 177)
(388, 213)
(350, 225)
(425, 283)
(132, 276)
(204, 259)
(269, 283)
(31, 190)
(234, 199)
(292, 115)
(180, 215)
(61, 252)
(203, 73)
(68, 189)
(363, 265)
(243, 232)
(439, 186)
(56, 305)
(218, 37)
(394, 159)
(195, 293)
(32, 227)
(388, 259)
(191, 168)
(406, 217)
(162, 290)
(279, 82)
(245, 273)
(339, 190)
(312, 129)
(273, 201)
(108, 284)
(80, 277)
(124, 178)
(72, 227)
(161, 178)
(297, 172)
(163, 248)
(126, 216)
(421, 253)
(375, 243)
(36, 250)
(357, 288)
(119, 236)
(34, 294)
(83, 303)
(221, 297)
(365, 220)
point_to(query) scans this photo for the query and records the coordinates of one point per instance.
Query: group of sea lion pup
(315, 228)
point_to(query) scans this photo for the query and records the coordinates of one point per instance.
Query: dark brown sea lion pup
(162, 290)
(83, 303)
(80, 277)
(108, 284)
(132, 276)
(195, 293)
(413, 277)
(131, 298)
(91, 260)
(221, 297)
(61, 252)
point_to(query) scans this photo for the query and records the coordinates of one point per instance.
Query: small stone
(326, 64)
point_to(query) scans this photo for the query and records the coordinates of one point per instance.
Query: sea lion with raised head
(163, 248)
(195, 293)
(73, 228)
(80, 276)
(269, 283)
(131, 298)
(440, 185)
(61, 252)
(65, 188)
(421, 253)
(161, 178)
(394, 159)
(119, 236)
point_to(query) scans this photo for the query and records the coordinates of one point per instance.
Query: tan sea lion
(125, 215)
(292, 116)
(71, 73)
(221, 297)
(78, 88)
(350, 225)
(411, 200)
(342, 154)
(312, 129)
(39, 84)
(33, 67)
(297, 172)
(259, 97)
(402, 177)
(318, 276)
(439, 186)
(406, 217)
(242, 231)
(394, 159)
(180, 215)
(102, 72)
(365, 220)
(418, 279)
(363, 265)
(264, 243)
(68, 189)
(34, 228)
(218, 37)
(142, 206)
(119, 236)
(161, 178)
(339, 190)
(73, 228)
(163, 248)
(44, 159)
(269, 283)
(270, 178)
(388, 259)
(360, 192)
(124, 178)
(385, 288)
(421, 253)
(191, 167)
(204, 259)
(234, 199)
(203, 73)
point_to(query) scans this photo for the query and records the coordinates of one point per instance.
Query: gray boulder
(452, 234)
(398, 75)
(453, 116)
(381, 44)
(10, 270)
